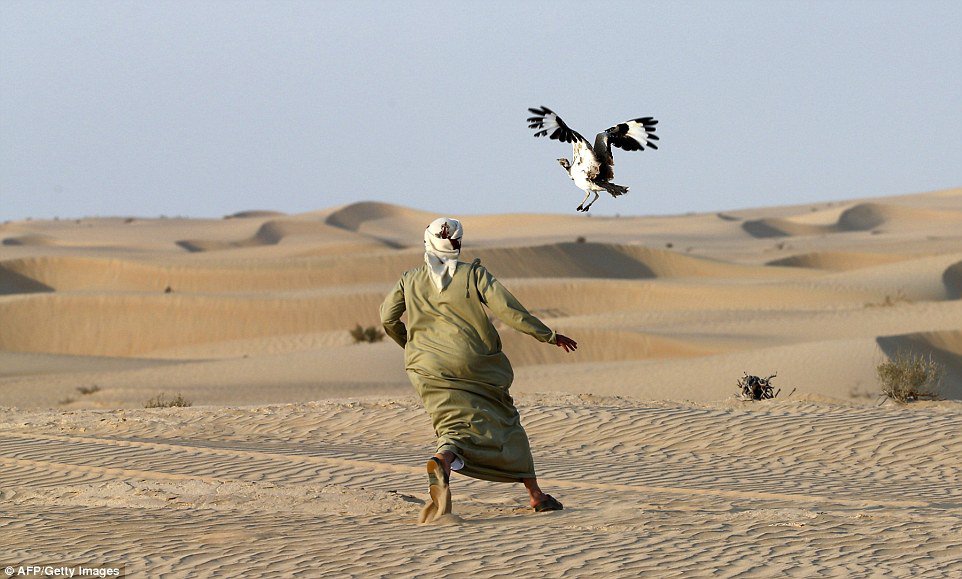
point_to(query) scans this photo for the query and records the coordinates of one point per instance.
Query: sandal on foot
(439, 490)
(436, 473)
(548, 503)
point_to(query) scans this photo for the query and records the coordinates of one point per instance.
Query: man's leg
(537, 495)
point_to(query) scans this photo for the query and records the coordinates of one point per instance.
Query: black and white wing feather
(547, 123)
(633, 135)
(606, 163)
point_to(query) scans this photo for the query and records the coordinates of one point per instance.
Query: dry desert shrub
(908, 377)
(160, 401)
(369, 334)
(890, 300)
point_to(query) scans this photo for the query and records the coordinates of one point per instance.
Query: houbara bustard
(592, 168)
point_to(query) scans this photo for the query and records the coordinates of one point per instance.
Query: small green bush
(369, 334)
(160, 401)
(908, 377)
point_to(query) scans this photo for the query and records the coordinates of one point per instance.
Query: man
(454, 360)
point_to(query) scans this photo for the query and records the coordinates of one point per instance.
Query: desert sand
(303, 453)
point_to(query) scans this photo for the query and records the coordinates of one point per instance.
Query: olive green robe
(453, 358)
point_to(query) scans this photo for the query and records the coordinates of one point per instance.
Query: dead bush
(907, 377)
(369, 334)
(160, 401)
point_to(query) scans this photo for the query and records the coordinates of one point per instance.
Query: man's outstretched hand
(565, 342)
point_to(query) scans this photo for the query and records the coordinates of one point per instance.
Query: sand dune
(297, 433)
(378, 221)
(953, 280)
(13, 280)
(258, 377)
(277, 231)
(255, 213)
(860, 217)
(776, 227)
(31, 239)
(867, 216)
(611, 261)
(404, 226)
(919, 278)
(838, 260)
(564, 298)
(356, 215)
(605, 346)
(128, 236)
(131, 324)
(564, 260)
(20, 364)
(67, 274)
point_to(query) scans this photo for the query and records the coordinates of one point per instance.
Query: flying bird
(592, 168)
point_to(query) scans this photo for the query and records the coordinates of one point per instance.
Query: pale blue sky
(208, 108)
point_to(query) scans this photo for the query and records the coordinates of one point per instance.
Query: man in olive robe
(453, 358)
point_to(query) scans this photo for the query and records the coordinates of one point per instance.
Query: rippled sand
(304, 453)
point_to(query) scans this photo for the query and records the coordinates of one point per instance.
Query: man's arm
(509, 310)
(391, 310)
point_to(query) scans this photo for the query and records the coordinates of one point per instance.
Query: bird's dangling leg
(588, 206)
(582, 206)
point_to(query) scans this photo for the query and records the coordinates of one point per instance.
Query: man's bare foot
(537, 498)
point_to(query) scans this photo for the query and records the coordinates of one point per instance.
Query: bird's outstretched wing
(633, 135)
(548, 123)
(606, 163)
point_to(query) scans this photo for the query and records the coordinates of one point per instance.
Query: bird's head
(565, 163)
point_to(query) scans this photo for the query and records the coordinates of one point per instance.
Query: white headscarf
(442, 246)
